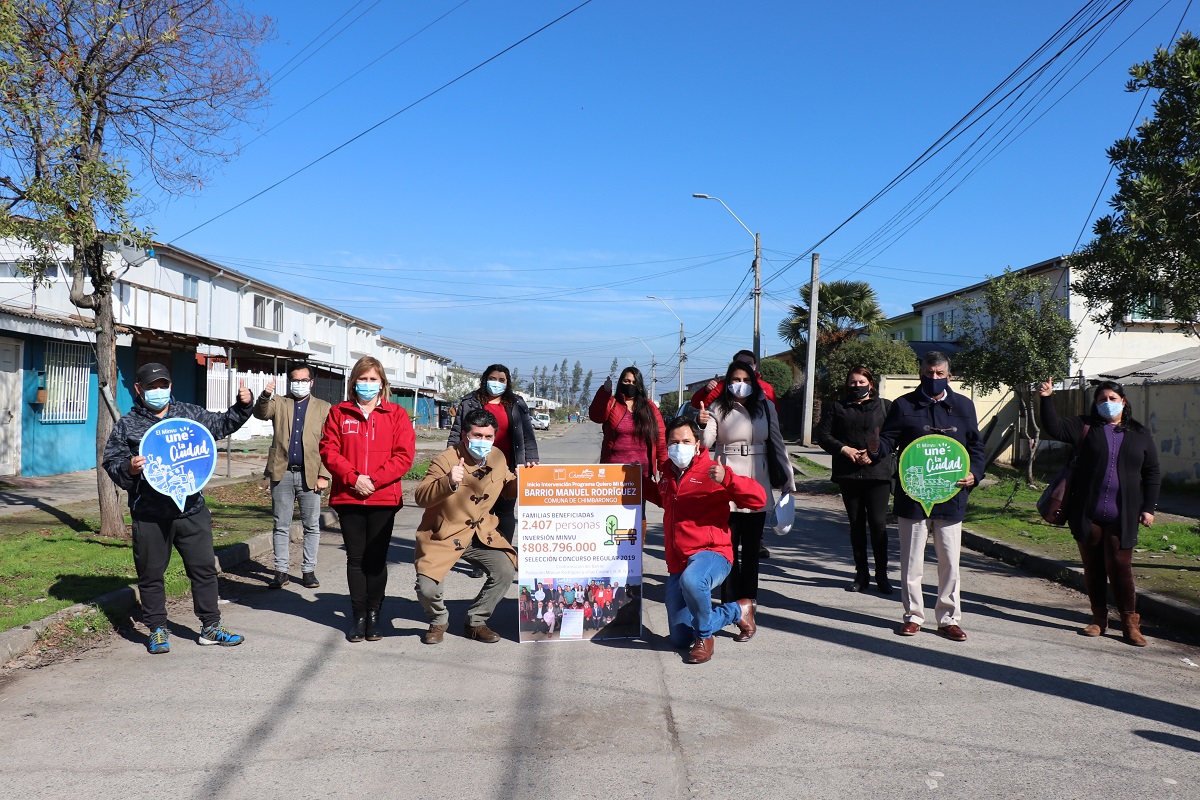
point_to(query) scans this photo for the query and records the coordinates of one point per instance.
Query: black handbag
(1054, 504)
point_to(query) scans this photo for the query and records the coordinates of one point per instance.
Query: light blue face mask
(156, 399)
(480, 448)
(496, 388)
(1110, 409)
(367, 391)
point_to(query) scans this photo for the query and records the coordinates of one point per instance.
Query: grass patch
(418, 470)
(52, 559)
(1166, 560)
(810, 467)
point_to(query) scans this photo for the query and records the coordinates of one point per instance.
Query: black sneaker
(279, 580)
(763, 553)
(309, 581)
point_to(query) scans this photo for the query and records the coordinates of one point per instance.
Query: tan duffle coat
(454, 517)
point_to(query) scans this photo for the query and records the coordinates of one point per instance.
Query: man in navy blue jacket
(931, 409)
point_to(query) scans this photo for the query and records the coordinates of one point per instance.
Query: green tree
(613, 370)
(1015, 335)
(96, 92)
(669, 406)
(576, 383)
(585, 394)
(564, 383)
(878, 353)
(776, 373)
(1145, 258)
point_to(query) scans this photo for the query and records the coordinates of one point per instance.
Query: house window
(268, 313)
(191, 287)
(68, 372)
(1154, 309)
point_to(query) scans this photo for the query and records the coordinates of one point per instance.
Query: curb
(17, 641)
(1161, 608)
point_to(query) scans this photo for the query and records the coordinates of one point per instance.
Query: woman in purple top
(1114, 487)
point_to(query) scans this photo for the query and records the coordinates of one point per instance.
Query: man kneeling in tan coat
(457, 493)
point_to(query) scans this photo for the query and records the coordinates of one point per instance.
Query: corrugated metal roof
(1181, 365)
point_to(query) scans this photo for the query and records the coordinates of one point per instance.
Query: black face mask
(859, 392)
(934, 386)
(625, 390)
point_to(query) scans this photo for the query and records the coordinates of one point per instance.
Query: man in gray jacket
(158, 524)
(295, 470)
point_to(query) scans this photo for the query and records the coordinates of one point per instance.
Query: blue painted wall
(426, 410)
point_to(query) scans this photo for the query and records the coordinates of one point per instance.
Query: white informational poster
(579, 554)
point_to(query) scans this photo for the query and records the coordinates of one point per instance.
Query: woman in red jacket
(695, 492)
(633, 428)
(367, 445)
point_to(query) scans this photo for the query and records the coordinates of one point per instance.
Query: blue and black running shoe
(216, 634)
(158, 642)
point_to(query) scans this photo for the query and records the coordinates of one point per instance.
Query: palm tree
(845, 309)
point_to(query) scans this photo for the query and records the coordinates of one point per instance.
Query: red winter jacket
(707, 397)
(697, 508)
(380, 446)
(609, 411)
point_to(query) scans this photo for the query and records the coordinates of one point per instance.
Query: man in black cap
(157, 521)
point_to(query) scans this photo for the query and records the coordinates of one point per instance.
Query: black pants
(1103, 559)
(866, 507)
(746, 530)
(367, 533)
(192, 537)
(506, 513)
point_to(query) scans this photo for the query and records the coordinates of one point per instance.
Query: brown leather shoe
(702, 650)
(745, 623)
(1133, 629)
(953, 633)
(908, 629)
(434, 635)
(481, 633)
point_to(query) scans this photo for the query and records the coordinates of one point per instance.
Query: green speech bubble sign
(931, 467)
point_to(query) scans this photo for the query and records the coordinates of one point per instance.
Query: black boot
(373, 634)
(358, 631)
(881, 580)
(862, 580)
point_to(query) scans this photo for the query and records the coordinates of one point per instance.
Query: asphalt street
(825, 702)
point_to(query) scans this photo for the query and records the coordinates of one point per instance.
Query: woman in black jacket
(514, 432)
(866, 487)
(1114, 486)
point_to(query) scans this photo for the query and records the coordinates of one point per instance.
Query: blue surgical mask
(480, 448)
(367, 391)
(496, 388)
(156, 399)
(1110, 409)
(681, 454)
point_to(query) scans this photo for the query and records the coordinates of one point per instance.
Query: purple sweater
(1106, 504)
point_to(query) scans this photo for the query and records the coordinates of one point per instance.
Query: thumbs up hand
(270, 388)
(458, 472)
(717, 472)
(244, 396)
(704, 416)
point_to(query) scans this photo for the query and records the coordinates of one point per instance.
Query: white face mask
(740, 390)
(681, 454)
(300, 389)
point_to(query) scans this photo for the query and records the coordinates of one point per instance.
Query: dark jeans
(1103, 559)
(746, 530)
(506, 512)
(192, 537)
(367, 533)
(866, 507)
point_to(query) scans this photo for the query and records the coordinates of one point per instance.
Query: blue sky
(523, 214)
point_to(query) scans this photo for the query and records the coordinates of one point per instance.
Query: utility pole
(757, 298)
(810, 369)
(682, 358)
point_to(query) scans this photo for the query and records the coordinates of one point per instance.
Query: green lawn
(1156, 566)
(52, 560)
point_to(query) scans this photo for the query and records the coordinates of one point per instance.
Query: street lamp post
(682, 339)
(653, 366)
(757, 276)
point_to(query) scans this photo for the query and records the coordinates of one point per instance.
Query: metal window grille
(68, 374)
(278, 318)
(260, 311)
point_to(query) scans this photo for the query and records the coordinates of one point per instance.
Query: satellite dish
(135, 256)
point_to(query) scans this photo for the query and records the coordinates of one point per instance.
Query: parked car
(541, 421)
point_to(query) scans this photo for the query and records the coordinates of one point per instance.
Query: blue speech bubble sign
(181, 456)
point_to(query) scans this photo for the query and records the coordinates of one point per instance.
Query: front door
(10, 407)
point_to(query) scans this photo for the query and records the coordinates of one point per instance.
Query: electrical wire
(382, 122)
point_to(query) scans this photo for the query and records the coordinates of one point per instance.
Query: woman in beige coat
(741, 430)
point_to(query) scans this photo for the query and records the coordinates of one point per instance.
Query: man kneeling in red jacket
(695, 493)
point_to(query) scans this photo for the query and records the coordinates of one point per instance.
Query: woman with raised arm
(1114, 487)
(634, 432)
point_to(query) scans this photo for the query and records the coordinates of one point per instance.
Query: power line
(383, 121)
(284, 71)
